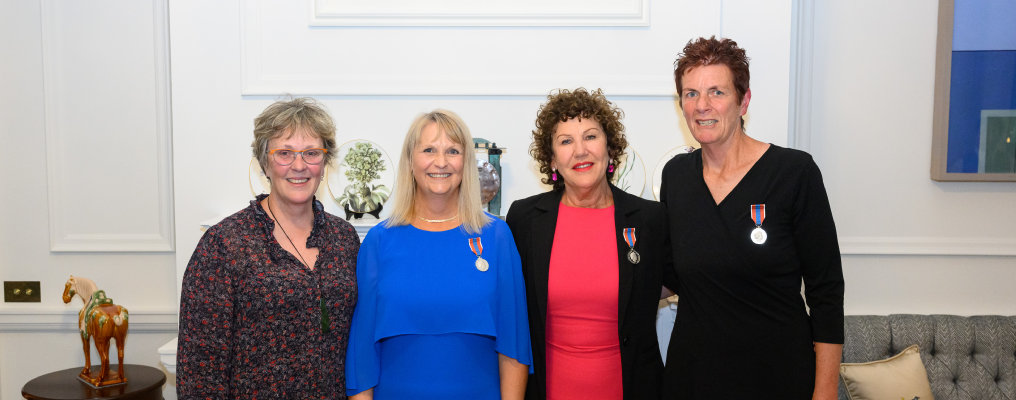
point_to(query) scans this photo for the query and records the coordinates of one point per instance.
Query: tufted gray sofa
(967, 358)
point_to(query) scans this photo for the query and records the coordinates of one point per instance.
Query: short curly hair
(563, 105)
(703, 52)
(287, 115)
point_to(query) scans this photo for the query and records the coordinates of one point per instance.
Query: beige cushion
(899, 377)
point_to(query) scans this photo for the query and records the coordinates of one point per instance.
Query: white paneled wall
(87, 182)
(281, 52)
(872, 95)
(911, 245)
(106, 85)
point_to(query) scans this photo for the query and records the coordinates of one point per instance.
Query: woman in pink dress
(593, 258)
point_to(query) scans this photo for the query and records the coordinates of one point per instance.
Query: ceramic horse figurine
(102, 320)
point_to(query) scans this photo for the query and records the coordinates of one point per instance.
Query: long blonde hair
(470, 210)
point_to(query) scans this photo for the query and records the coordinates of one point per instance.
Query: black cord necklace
(325, 323)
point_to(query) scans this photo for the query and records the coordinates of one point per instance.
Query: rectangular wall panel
(107, 126)
(411, 48)
(480, 13)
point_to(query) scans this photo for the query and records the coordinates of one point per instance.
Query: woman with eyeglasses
(269, 292)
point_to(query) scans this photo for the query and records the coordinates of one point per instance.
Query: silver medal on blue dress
(477, 248)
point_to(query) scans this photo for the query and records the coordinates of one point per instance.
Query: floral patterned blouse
(250, 312)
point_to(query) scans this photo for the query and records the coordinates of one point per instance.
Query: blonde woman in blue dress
(441, 309)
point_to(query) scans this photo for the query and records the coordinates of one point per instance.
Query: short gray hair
(288, 115)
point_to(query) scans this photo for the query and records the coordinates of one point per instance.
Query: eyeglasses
(287, 156)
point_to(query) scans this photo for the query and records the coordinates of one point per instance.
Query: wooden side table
(143, 383)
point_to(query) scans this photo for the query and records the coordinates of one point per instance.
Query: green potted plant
(363, 165)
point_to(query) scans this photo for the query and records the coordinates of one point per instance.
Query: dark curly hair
(563, 105)
(703, 52)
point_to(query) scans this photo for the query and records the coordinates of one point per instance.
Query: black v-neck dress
(742, 330)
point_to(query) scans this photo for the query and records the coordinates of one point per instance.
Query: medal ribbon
(629, 236)
(476, 246)
(758, 214)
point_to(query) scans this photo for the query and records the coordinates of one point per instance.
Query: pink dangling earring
(610, 168)
(554, 176)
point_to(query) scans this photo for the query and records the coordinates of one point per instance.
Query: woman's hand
(827, 370)
(364, 395)
(513, 377)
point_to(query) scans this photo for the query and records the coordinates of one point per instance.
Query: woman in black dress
(749, 220)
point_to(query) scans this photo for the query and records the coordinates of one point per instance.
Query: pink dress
(583, 351)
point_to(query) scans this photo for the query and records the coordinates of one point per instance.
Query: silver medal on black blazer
(629, 237)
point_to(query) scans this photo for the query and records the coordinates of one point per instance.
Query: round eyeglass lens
(284, 157)
(313, 156)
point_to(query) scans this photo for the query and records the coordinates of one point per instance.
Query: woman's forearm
(364, 395)
(827, 370)
(513, 377)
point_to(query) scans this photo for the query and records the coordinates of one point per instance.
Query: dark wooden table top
(143, 383)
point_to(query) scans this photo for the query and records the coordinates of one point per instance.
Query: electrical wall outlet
(22, 292)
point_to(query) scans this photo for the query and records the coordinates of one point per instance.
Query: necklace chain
(325, 323)
(286, 234)
(439, 220)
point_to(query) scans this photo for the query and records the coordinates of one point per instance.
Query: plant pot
(357, 215)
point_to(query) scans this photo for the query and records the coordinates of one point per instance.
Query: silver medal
(758, 236)
(481, 264)
(633, 256)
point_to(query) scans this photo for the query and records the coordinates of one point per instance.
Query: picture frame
(630, 175)
(366, 159)
(941, 169)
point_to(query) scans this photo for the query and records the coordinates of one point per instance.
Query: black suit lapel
(542, 237)
(623, 210)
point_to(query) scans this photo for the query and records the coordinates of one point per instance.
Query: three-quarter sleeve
(819, 252)
(363, 354)
(512, 315)
(206, 317)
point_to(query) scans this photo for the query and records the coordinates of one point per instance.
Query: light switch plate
(22, 292)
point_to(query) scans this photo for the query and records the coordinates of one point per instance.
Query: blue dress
(428, 324)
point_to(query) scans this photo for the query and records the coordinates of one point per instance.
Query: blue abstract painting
(982, 97)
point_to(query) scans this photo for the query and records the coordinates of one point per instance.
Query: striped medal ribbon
(758, 214)
(477, 248)
(629, 237)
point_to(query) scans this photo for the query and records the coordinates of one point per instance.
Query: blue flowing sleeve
(363, 356)
(512, 320)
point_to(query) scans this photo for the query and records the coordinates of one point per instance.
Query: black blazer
(533, 221)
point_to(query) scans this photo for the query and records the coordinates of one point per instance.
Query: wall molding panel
(108, 128)
(616, 13)
(927, 246)
(386, 66)
(802, 53)
(66, 320)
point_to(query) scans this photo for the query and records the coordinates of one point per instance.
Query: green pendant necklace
(325, 323)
